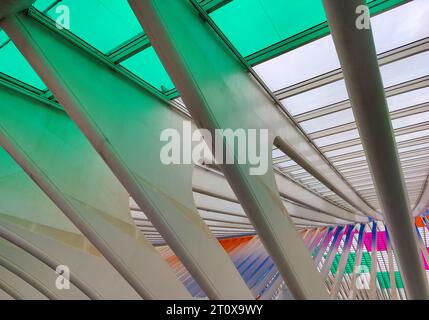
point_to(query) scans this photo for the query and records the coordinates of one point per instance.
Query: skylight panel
(16, 66)
(43, 5)
(277, 153)
(392, 29)
(412, 135)
(349, 161)
(337, 138)
(263, 23)
(303, 63)
(104, 24)
(287, 164)
(343, 151)
(411, 148)
(406, 69)
(147, 66)
(416, 158)
(316, 98)
(401, 25)
(410, 120)
(328, 121)
(394, 73)
(408, 99)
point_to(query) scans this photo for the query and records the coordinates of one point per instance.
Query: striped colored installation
(382, 277)
(381, 241)
(181, 272)
(261, 275)
(381, 246)
(249, 256)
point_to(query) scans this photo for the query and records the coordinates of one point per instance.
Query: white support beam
(356, 51)
(343, 263)
(214, 183)
(112, 128)
(55, 154)
(17, 287)
(35, 273)
(219, 94)
(31, 221)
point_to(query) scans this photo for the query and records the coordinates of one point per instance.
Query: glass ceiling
(326, 115)
(13, 64)
(299, 64)
(262, 24)
(104, 24)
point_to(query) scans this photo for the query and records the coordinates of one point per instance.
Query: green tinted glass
(382, 277)
(105, 24)
(42, 5)
(265, 22)
(14, 64)
(147, 66)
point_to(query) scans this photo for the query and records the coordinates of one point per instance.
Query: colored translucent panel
(384, 280)
(381, 241)
(265, 22)
(14, 64)
(42, 5)
(147, 66)
(105, 24)
(349, 265)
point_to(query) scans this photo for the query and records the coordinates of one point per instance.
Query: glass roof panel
(393, 73)
(328, 121)
(411, 148)
(104, 24)
(406, 69)
(342, 151)
(410, 120)
(316, 98)
(303, 63)
(277, 153)
(43, 5)
(401, 25)
(147, 66)
(14, 64)
(336, 138)
(408, 99)
(413, 135)
(265, 22)
(319, 57)
(350, 161)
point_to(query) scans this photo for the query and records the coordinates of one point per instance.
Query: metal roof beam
(357, 55)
